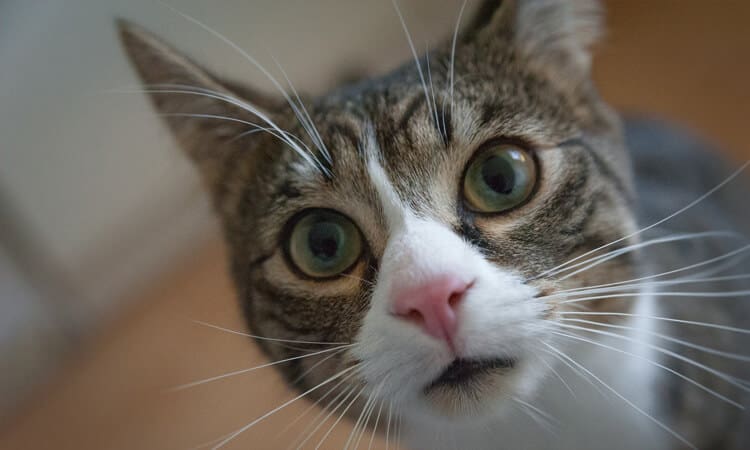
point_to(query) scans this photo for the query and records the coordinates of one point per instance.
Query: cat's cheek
(502, 318)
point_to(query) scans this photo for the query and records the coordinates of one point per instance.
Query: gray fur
(673, 168)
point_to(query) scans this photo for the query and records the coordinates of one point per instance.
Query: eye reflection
(499, 178)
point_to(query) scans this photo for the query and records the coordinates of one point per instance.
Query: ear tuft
(555, 33)
(564, 29)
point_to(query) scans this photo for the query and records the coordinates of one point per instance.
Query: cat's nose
(431, 305)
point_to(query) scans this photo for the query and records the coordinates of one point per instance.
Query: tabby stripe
(604, 169)
(403, 125)
(447, 117)
(489, 112)
(349, 134)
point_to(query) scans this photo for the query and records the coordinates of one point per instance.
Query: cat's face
(422, 224)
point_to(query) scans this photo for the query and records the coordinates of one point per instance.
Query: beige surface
(114, 395)
(687, 60)
(677, 58)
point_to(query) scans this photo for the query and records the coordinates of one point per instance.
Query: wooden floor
(687, 60)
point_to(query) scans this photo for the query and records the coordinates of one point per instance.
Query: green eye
(500, 178)
(324, 243)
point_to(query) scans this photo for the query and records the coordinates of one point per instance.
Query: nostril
(455, 298)
(458, 293)
(415, 316)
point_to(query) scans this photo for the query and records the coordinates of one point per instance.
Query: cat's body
(673, 167)
(440, 243)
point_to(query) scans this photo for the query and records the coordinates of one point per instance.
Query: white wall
(94, 178)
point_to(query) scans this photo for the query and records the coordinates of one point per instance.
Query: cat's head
(417, 215)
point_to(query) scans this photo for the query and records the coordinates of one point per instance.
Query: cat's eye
(499, 178)
(324, 243)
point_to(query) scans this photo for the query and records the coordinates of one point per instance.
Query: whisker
(341, 416)
(655, 224)
(360, 279)
(306, 154)
(365, 425)
(576, 371)
(209, 443)
(730, 263)
(682, 269)
(257, 128)
(541, 418)
(317, 422)
(355, 428)
(313, 132)
(210, 116)
(388, 426)
(559, 377)
(432, 92)
(414, 54)
(263, 338)
(272, 132)
(300, 117)
(537, 420)
(399, 425)
(664, 319)
(364, 418)
(537, 410)
(251, 369)
(169, 88)
(623, 398)
(709, 350)
(314, 405)
(453, 54)
(316, 365)
(375, 427)
(726, 377)
(724, 294)
(306, 434)
(241, 430)
(621, 285)
(655, 364)
(595, 261)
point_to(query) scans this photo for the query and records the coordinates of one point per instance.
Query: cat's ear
(556, 34)
(205, 114)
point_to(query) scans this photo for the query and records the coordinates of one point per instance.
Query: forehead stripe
(393, 208)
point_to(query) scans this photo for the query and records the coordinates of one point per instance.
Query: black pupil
(324, 240)
(498, 174)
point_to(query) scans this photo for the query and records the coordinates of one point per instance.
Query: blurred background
(108, 251)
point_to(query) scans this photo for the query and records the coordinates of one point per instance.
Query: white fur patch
(497, 316)
(395, 213)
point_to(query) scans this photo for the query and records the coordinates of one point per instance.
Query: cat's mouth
(462, 372)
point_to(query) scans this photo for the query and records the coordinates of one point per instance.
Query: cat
(444, 243)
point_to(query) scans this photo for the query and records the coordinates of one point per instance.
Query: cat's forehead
(421, 134)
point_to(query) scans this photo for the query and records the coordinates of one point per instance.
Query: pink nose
(431, 305)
